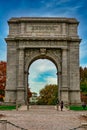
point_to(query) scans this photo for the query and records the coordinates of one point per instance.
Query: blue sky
(41, 73)
(44, 8)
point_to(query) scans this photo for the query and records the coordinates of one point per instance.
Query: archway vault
(30, 39)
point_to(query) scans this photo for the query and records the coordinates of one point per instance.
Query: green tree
(48, 95)
(83, 80)
(83, 87)
(83, 74)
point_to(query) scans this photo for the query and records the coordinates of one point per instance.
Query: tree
(29, 93)
(48, 95)
(83, 74)
(83, 83)
(83, 79)
(2, 79)
(83, 86)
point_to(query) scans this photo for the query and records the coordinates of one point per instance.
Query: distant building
(33, 99)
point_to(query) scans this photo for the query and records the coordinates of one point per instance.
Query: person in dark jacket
(84, 105)
(61, 105)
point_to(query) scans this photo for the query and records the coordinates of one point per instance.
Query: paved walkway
(44, 118)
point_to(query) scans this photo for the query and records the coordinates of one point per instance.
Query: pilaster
(22, 28)
(64, 86)
(21, 87)
(59, 84)
(10, 91)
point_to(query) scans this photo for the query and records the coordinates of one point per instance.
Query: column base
(64, 92)
(74, 97)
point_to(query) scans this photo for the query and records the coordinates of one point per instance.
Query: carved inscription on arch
(46, 28)
(43, 29)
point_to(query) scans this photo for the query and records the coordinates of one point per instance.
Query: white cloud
(84, 65)
(37, 86)
(3, 55)
(51, 80)
(40, 67)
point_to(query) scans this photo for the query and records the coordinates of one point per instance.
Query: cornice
(43, 39)
(43, 19)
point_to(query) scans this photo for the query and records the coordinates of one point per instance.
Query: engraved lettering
(42, 28)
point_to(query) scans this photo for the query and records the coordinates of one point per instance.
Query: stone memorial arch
(55, 39)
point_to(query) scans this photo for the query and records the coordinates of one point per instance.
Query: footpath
(44, 118)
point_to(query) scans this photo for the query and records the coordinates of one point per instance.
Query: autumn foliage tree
(29, 93)
(48, 95)
(83, 83)
(2, 79)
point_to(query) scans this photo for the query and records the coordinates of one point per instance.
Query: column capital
(59, 73)
(26, 72)
(20, 48)
(65, 49)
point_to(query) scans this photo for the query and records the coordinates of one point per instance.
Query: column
(11, 73)
(26, 86)
(21, 87)
(64, 86)
(74, 74)
(26, 89)
(21, 69)
(64, 68)
(22, 28)
(59, 84)
(64, 29)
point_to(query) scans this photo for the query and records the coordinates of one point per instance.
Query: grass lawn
(77, 108)
(7, 107)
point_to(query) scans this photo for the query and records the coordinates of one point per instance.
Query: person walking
(61, 105)
(84, 105)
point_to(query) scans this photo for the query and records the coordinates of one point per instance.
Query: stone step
(42, 107)
(24, 107)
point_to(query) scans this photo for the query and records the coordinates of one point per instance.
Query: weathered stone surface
(55, 39)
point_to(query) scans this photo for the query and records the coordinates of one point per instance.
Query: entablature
(43, 27)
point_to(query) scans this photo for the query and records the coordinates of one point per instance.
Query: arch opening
(42, 73)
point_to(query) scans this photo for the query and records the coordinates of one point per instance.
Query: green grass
(77, 108)
(7, 107)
